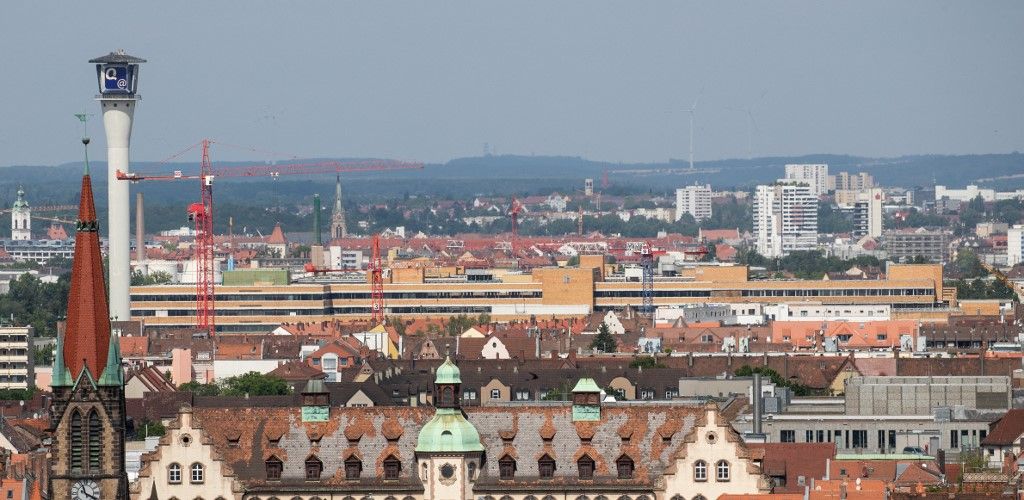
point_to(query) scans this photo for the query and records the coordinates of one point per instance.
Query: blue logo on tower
(117, 79)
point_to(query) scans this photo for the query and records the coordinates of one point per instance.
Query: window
(722, 470)
(174, 474)
(353, 467)
(471, 471)
(313, 468)
(469, 395)
(625, 467)
(506, 467)
(586, 467)
(95, 439)
(787, 436)
(447, 396)
(523, 395)
(495, 393)
(809, 436)
(392, 467)
(75, 429)
(700, 471)
(274, 468)
(546, 467)
(647, 394)
(881, 336)
(860, 439)
(198, 473)
(330, 363)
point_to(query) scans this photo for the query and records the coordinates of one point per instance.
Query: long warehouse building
(253, 301)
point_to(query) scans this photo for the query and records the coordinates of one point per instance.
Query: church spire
(339, 229)
(87, 341)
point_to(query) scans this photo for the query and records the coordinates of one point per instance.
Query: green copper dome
(448, 432)
(448, 373)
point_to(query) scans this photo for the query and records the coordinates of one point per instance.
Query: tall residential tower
(785, 219)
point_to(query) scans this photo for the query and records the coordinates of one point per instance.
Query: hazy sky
(432, 80)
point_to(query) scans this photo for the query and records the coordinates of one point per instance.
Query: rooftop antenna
(693, 109)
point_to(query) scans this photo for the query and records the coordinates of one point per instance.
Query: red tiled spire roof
(88, 322)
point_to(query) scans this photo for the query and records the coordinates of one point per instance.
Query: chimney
(756, 400)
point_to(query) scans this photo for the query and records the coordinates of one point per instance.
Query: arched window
(699, 497)
(624, 497)
(353, 467)
(95, 441)
(75, 429)
(722, 470)
(424, 471)
(313, 468)
(546, 467)
(198, 473)
(392, 467)
(471, 471)
(700, 470)
(174, 474)
(447, 396)
(677, 497)
(624, 465)
(586, 466)
(274, 468)
(506, 467)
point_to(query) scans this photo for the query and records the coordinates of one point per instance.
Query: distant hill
(503, 175)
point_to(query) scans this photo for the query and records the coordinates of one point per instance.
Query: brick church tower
(87, 416)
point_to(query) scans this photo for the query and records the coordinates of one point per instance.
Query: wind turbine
(751, 124)
(693, 109)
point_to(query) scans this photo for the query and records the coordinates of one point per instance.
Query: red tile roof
(1006, 430)
(88, 325)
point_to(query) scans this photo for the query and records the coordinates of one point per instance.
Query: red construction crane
(376, 284)
(202, 212)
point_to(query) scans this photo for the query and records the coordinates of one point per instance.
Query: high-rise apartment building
(852, 182)
(785, 219)
(694, 200)
(867, 213)
(1015, 245)
(814, 175)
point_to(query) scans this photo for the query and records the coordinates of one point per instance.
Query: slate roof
(117, 57)
(652, 435)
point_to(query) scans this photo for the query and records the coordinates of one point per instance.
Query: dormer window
(546, 467)
(392, 467)
(506, 468)
(624, 465)
(314, 467)
(353, 467)
(274, 468)
(586, 467)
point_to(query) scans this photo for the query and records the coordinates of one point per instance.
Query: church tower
(21, 218)
(448, 451)
(339, 229)
(87, 414)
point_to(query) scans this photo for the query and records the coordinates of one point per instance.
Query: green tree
(198, 389)
(43, 355)
(483, 319)
(149, 429)
(153, 278)
(255, 384)
(604, 341)
(646, 362)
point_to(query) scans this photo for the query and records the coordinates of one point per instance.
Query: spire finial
(84, 118)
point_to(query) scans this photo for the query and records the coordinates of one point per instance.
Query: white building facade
(694, 200)
(785, 219)
(1015, 245)
(814, 175)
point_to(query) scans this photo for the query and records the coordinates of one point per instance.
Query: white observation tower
(118, 76)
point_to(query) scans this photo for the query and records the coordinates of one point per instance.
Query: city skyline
(388, 81)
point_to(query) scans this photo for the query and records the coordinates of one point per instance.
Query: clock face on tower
(85, 490)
